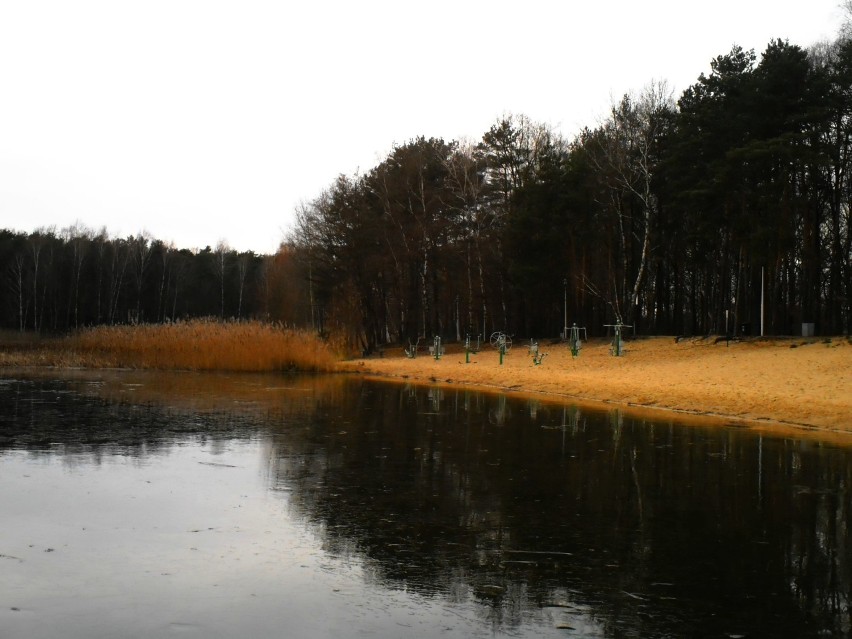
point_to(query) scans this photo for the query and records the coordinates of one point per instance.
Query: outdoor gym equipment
(502, 343)
(411, 351)
(617, 347)
(499, 339)
(574, 342)
(436, 350)
(470, 348)
(538, 358)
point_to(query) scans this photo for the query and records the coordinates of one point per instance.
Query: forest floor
(772, 382)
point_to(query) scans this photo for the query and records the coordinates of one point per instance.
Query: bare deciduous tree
(626, 158)
(141, 255)
(221, 252)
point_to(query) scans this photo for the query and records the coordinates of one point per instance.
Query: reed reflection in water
(480, 513)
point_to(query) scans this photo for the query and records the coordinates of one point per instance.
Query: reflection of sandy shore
(805, 382)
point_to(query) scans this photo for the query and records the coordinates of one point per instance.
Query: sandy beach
(804, 383)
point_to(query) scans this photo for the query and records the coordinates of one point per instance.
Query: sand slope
(802, 382)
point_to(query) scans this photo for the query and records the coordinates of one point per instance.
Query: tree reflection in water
(649, 528)
(608, 524)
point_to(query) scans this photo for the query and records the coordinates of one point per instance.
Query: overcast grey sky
(201, 120)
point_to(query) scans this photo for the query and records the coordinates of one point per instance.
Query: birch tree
(140, 246)
(77, 238)
(221, 254)
(626, 158)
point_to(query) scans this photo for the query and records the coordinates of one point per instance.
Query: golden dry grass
(200, 345)
(804, 382)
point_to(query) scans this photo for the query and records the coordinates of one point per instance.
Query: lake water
(152, 505)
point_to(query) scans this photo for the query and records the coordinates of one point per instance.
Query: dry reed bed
(200, 345)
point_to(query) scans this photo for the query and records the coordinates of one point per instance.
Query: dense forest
(726, 210)
(56, 281)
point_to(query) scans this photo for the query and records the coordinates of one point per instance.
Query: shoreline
(778, 384)
(772, 384)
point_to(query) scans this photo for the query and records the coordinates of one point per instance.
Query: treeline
(719, 212)
(54, 281)
(723, 211)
